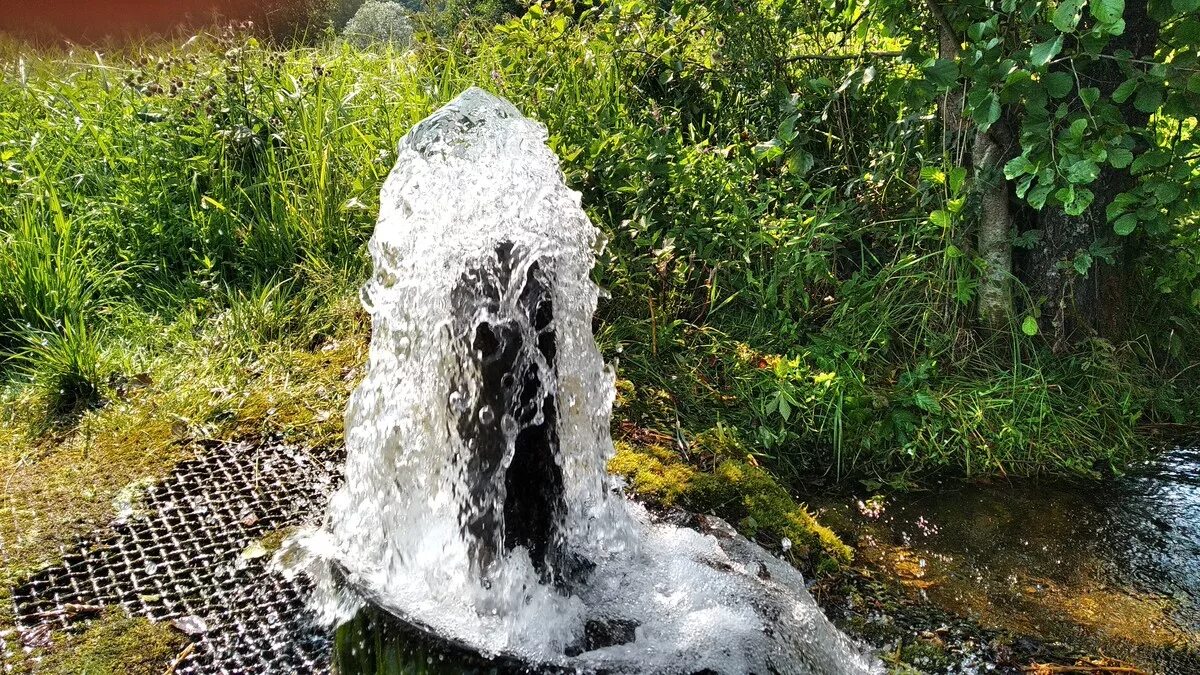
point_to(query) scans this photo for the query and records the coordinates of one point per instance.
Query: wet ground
(1107, 568)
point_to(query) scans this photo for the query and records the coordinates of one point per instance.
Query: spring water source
(476, 502)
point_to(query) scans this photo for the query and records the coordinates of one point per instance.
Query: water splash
(476, 500)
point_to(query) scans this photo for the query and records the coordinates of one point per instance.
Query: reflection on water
(1112, 566)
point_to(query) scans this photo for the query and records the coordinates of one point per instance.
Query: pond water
(1111, 567)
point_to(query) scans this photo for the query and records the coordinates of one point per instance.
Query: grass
(114, 644)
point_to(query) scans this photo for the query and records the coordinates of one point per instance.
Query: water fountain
(476, 512)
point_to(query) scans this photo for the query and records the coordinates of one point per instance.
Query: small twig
(1042, 668)
(180, 659)
(70, 609)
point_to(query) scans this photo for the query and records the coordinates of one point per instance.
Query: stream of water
(476, 502)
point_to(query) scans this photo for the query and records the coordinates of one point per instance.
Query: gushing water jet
(476, 512)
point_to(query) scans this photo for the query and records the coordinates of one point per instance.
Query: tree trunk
(994, 235)
(954, 124)
(1076, 307)
(989, 153)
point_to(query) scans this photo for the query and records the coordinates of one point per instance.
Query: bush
(379, 21)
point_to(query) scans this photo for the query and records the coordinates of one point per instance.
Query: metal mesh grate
(184, 558)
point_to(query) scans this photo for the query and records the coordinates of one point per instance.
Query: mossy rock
(736, 490)
(116, 644)
(762, 509)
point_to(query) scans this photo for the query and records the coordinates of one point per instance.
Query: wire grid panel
(183, 557)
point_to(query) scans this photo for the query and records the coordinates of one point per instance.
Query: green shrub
(379, 21)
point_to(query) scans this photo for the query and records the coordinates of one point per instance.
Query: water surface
(1110, 567)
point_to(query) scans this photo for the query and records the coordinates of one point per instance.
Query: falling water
(476, 501)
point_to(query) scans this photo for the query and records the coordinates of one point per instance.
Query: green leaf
(925, 401)
(1058, 84)
(1152, 159)
(1166, 192)
(1038, 195)
(1084, 171)
(1120, 157)
(1120, 204)
(1023, 186)
(785, 410)
(987, 112)
(1079, 201)
(768, 150)
(1185, 6)
(800, 162)
(1149, 98)
(1075, 131)
(1125, 225)
(1018, 166)
(1125, 90)
(1066, 15)
(1042, 53)
(958, 176)
(942, 73)
(1089, 96)
(1082, 263)
(1107, 11)
(1029, 326)
(933, 174)
(941, 218)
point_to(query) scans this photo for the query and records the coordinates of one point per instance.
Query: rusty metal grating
(183, 557)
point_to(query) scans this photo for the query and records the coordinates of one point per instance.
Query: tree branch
(845, 57)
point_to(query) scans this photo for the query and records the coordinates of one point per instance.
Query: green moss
(653, 472)
(734, 489)
(763, 509)
(927, 653)
(115, 644)
(273, 541)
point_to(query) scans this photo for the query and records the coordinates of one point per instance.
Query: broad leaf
(958, 175)
(1107, 11)
(1125, 225)
(1125, 90)
(1120, 157)
(1029, 326)
(1166, 193)
(1066, 15)
(942, 73)
(1038, 195)
(987, 112)
(1084, 171)
(1079, 201)
(1042, 53)
(1082, 263)
(1149, 98)
(1017, 166)
(1058, 84)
